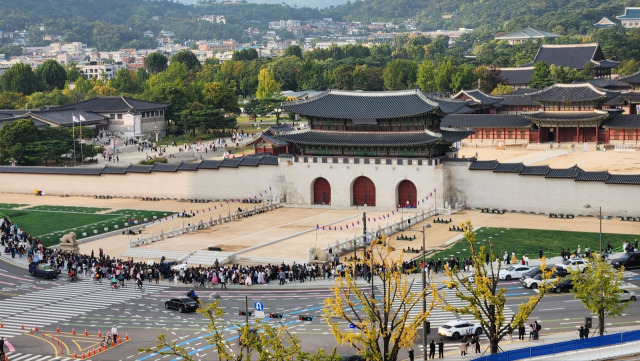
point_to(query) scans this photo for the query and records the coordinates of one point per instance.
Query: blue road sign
(258, 306)
(352, 326)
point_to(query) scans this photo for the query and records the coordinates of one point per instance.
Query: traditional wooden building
(372, 124)
(575, 56)
(633, 80)
(479, 101)
(526, 34)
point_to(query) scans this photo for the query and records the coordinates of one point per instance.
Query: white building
(284, 24)
(93, 69)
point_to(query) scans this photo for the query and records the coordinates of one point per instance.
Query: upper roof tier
(526, 34)
(372, 139)
(340, 104)
(573, 56)
(584, 92)
(118, 103)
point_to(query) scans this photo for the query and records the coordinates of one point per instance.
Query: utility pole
(246, 317)
(424, 287)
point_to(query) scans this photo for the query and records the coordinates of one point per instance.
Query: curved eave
(361, 139)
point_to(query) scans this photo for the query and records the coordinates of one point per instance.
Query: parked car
(459, 328)
(535, 282)
(573, 265)
(627, 295)
(628, 260)
(561, 272)
(565, 284)
(183, 304)
(43, 270)
(513, 272)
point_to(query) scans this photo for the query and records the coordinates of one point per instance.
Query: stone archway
(321, 191)
(407, 192)
(363, 192)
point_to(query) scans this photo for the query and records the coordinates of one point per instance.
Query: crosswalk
(18, 356)
(62, 303)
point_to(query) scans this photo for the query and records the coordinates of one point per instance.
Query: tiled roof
(535, 170)
(451, 106)
(209, 164)
(64, 117)
(563, 173)
(330, 138)
(165, 167)
(273, 140)
(230, 162)
(630, 13)
(616, 101)
(569, 93)
(188, 166)
(528, 33)
(340, 104)
(139, 168)
(485, 121)
(631, 96)
(605, 83)
(518, 100)
(516, 75)
(592, 176)
(118, 103)
(113, 170)
(484, 165)
(623, 121)
(509, 167)
(604, 23)
(574, 56)
(543, 117)
(623, 179)
(450, 136)
(631, 79)
(278, 128)
(479, 98)
(52, 170)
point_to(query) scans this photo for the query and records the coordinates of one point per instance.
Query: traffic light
(243, 313)
(275, 315)
(306, 318)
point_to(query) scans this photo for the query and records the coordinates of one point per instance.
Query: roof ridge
(584, 45)
(126, 102)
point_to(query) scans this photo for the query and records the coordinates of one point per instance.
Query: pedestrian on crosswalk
(440, 349)
(223, 280)
(432, 349)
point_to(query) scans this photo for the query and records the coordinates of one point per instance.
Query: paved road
(141, 316)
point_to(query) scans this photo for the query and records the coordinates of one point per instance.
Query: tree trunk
(601, 322)
(494, 346)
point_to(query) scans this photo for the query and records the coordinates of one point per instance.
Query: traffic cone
(32, 331)
(36, 328)
(99, 349)
(93, 351)
(73, 331)
(1, 324)
(119, 340)
(22, 326)
(126, 336)
(53, 339)
(61, 349)
(58, 329)
(85, 332)
(75, 355)
(83, 356)
(42, 333)
(99, 333)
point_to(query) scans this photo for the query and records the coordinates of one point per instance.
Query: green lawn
(528, 241)
(49, 223)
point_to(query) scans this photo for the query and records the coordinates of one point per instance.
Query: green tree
(14, 136)
(21, 79)
(156, 62)
(426, 76)
(220, 96)
(52, 75)
(444, 75)
(72, 73)
(267, 86)
(124, 82)
(12, 100)
(187, 58)
(483, 299)
(367, 78)
(41, 99)
(463, 78)
(286, 71)
(11, 50)
(599, 288)
(246, 54)
(312, 75)
(400, 74)
(343, 77)
(293, 50)
(502, 89)
(541, 77)
(629, 67)
(383, 322)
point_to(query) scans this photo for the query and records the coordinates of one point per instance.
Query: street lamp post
(600, 218)
(424, 288)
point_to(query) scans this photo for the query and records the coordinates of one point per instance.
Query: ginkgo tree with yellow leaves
(481, 296)
(383, 321)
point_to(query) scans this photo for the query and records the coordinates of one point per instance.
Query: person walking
(223, 280)
(581, 332)
(114, 334)
(586, 331)
(440, 349)
(411, 355)
(477, 344)
(521, 331)
(464, 344)
(432, 349)
(510, 333)
(531, 331)
(2, 355)
(537, 329)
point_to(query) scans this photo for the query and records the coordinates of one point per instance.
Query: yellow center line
(55, 348)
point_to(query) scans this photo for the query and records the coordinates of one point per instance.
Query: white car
(573, 265)
(457, 329)
(626, 295)
(513, 272)
(536, 281)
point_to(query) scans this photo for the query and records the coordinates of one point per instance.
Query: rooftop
(527, 33)
(630, 13)
(584, 92)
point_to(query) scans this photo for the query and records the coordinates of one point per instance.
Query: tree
(156, 63)
(14, 136)
(20, 78)
(247, 54)
(72, 73)
(286, 71)
(426, 76)
(629, 67)
(541, 77)
(502, 89)
(400, 74)
(486, 302)
(52, 75)
(266, 342)
(383, 323)
(220, 96)
(187, 58)
(293, 50)
(267, 86)
(40, 100)
(463, 78)
(124, 82)
(598, 288)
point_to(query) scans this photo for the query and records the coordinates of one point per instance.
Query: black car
(565, 284)
(628, 260)
(183, 304)
(560, 272)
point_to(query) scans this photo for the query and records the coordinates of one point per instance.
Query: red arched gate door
(364, 192)
(321, 191)
(407, 192)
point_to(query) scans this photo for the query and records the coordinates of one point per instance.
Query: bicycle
(106, 341)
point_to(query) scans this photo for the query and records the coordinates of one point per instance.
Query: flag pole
(81, 150)
(73, 130)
